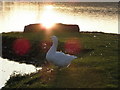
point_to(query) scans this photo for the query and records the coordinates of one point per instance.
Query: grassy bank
(95, 67)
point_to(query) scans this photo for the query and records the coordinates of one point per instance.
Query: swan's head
(54, 38)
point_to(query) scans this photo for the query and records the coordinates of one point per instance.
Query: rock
(59, 27)
(66, 27)
(33, 28)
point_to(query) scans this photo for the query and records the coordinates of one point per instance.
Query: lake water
(90, 16)
(7, 68)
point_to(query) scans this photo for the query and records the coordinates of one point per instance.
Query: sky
(68, 0)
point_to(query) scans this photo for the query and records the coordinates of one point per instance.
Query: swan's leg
(46, 62)
(68, 65)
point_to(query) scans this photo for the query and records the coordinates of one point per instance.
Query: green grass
(95, 69)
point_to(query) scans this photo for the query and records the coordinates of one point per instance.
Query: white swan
(58, 58)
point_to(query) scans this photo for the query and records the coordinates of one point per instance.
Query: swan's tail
(71, 57)
(74, 57)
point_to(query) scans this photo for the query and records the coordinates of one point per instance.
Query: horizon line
(59, 1)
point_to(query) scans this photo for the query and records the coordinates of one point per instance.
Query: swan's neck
(54, 46)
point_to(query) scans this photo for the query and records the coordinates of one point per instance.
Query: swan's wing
(62, 56)
(61, 59)
(72, 56)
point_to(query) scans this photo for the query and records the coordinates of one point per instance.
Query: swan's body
(58, 58)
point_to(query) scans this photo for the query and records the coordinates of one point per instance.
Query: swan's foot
(46, 63)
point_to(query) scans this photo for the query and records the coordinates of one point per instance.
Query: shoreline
(79, 32)
(36, 53)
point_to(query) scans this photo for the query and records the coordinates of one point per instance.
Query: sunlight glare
(48, 17)
(49, 7)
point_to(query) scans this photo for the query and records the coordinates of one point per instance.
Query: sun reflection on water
(48, 17)
(20, 15)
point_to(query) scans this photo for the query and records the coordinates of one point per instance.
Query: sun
(48, 17)
(48, 25)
